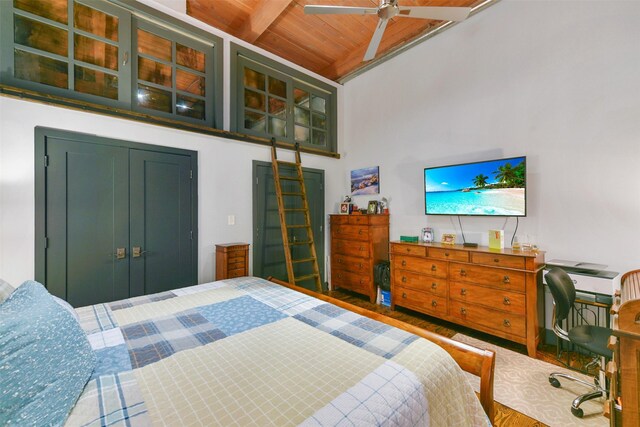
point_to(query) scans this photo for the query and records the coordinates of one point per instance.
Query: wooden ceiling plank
(264, 14)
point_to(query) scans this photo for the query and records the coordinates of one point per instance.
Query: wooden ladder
(285, 228)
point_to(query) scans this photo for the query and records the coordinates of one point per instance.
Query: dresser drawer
(495, 277)
(236, 272)
(421, 265)
(338, 219)
(351, 232)
(351, 248)
(498, 260)
(420, 301)
(409, 249)
(509, 323)
(420, 282)
(358, 219)
(512, 302)
(236, 263)
(448, 254)
(357, 282)
(349, 263)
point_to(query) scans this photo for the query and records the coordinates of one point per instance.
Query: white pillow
(66, 306)
(5, 290)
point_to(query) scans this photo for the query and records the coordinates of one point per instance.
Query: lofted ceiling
(330, 45)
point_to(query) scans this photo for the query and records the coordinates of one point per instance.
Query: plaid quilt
(247, 351)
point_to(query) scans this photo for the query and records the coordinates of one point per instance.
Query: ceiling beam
(265, 12)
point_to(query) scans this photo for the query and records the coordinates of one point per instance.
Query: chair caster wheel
(554, 382)
(578, 412)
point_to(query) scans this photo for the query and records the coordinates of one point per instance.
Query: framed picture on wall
(365, 181)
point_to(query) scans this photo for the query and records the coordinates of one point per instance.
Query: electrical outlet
(231, 220)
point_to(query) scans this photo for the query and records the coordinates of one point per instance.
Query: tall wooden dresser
(358, 243)
(232, 260)
(495, 291)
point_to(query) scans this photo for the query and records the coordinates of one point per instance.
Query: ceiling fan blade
(339, 10)
(375, 40)
(435, 12)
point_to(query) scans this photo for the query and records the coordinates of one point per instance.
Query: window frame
(129, 13)
(240, 56)
(7, 57)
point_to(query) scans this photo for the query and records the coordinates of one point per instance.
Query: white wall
(557, 81)
(225, 167)
(224, 178)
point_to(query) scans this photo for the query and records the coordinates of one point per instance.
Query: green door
(268, 253)
(160, 222)
(87, 205)
(116, 220)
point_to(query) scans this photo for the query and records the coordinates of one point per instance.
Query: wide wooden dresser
(499, 292)
(358, 243)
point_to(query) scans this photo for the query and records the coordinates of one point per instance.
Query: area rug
(521, 383)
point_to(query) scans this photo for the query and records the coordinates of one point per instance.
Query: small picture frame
(345, 208)
(448, 239)
(373, 207)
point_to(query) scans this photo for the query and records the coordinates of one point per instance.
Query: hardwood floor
(504, 416)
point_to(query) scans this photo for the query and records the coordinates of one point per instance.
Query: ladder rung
(292, 194)
(295, 210)
(306, 242)
(290, 178)
(298, 261)
(302, 278)
(282, 162)
(298, 226)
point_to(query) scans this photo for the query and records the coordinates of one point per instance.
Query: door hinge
(190, 174)
(191, 234)
(46, 160)
(256, 180)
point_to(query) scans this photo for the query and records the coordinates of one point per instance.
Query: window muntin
(272, 103)
(85, 49)
(81, 54)
(174, 74)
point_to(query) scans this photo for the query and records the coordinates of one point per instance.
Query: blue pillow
(45, 358)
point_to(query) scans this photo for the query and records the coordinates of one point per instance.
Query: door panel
(160, 222)
(87, 219)
(268, 254)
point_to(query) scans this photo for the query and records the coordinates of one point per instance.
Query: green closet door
(87, 203)
(268, 253)
(161, 222)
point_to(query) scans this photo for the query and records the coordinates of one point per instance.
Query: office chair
(591, 338)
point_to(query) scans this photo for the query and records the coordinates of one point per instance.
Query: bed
(246, 351)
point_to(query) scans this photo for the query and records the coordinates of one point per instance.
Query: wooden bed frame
(471, 359)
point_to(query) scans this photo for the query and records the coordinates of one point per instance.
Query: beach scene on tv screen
(495, 187)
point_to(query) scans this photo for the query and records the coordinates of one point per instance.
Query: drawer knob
(506, 301)
(404, 279)
(463, 272)
(361, 281)
(339, 276)
(360, 265)
(362, 249)
(446, 254)
(434, 285)
(408, 249)
(506, 323)
(359, 231)
(339, 260)
(463, 291)
(463, 311)
(434, 268)
(404, 263)
(434, 303)
(404, 295)
(496, 260)
(506, 279)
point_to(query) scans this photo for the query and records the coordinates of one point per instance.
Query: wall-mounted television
(489, 188)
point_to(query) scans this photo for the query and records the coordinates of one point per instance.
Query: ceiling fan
(387, 10)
